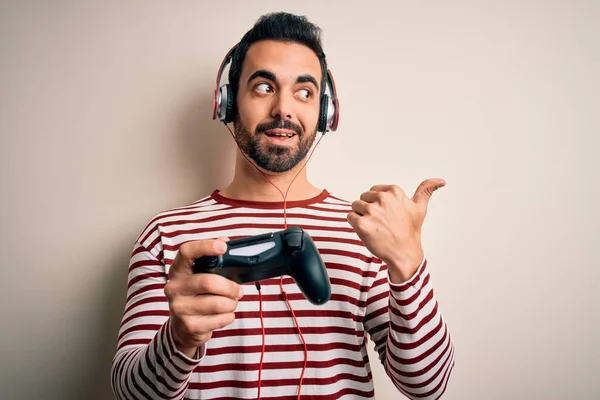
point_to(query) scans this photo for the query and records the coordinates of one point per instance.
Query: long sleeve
(410, 334)
(147, 364)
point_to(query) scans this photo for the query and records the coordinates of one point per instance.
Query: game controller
(289, 252)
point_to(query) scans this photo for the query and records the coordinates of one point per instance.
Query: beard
(268, 156)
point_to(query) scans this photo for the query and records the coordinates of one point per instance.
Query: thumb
(189, 251)
(426, 189)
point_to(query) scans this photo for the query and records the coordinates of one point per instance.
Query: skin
(280, 82)
(261, 100)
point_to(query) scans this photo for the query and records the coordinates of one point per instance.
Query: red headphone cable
(283, 293)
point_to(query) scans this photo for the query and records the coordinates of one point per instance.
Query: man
(202, 336)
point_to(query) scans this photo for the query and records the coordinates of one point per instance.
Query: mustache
(279, 124)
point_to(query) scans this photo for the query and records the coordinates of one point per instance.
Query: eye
(263, 88)
(304, 93)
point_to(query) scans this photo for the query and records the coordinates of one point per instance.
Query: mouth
(280, 133)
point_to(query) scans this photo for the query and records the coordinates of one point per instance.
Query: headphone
(329, 113)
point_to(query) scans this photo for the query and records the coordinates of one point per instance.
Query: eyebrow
(263, 73)
(307, 79)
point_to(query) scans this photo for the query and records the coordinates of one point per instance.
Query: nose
(282, 106)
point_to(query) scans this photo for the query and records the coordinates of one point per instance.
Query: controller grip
(311, 274)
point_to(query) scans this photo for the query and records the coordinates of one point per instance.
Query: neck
(250, 184)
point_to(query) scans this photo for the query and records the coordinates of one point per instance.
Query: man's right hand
(199, 303)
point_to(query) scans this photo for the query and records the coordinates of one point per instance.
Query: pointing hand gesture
(389, 223)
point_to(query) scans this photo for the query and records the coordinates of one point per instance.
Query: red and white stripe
(403, 322)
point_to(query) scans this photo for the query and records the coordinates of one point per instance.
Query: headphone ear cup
(322, 125)
(224, 104)
(229, 109)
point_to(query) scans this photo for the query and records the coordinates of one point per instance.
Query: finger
(208, 304)
(380, 188)
(203, 305)
(393, 189)
(206, 324)
(359, 223)
(189, 251)
(353, 219)
(371, 196)
(198, 284)
(360, 207)
(200, 328)
(426, 189)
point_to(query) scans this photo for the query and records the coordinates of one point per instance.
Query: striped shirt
(402, 321)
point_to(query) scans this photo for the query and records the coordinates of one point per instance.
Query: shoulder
(335, 199)
(332, 207)
(333, 202)
(177, 217)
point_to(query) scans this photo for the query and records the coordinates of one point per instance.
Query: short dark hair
(281, 26)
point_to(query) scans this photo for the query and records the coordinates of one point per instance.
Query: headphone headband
(329, 113)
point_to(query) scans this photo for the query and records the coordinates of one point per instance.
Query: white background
(105, 120)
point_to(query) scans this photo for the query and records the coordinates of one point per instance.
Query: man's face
(278, 104)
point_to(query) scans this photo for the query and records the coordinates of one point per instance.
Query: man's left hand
(389, 224)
